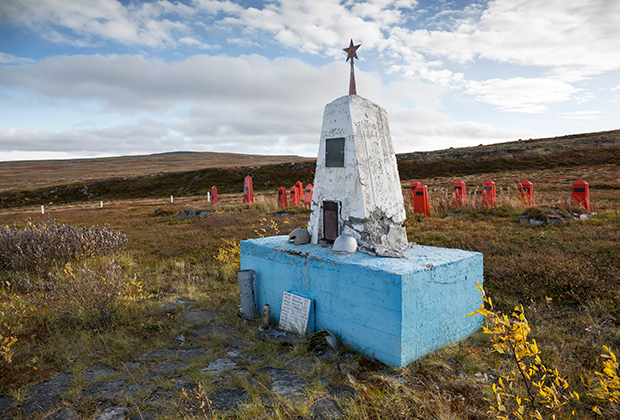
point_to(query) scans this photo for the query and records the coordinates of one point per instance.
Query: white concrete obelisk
(357, 188)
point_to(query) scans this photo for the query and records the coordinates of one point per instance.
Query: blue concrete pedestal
(395, 310)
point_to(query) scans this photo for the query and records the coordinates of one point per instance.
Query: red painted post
(526, 191)
(308, 195)
(282, 198)
(488, 194)
(294, 198)
(300, 190)
(459, 197)
(581, 195)
(214, 198)
(414, 184)
(248, 191)
(420, 203)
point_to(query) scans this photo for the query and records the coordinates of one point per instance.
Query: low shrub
(93, 296)
(39, 248)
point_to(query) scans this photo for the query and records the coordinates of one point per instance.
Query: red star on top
(352, 51)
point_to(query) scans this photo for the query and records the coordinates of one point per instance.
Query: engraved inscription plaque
(295, 312)
(334, 153)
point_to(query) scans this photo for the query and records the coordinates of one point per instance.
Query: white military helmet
(299, 236)
(345, 243)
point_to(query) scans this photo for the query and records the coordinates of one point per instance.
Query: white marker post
(101, 204)
(171, 199)
(208, 196)
(42, 210)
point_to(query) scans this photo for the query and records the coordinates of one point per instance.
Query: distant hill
(190, 174)
(565, 151)
(40, 173)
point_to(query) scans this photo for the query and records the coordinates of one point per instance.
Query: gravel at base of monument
(161, 379)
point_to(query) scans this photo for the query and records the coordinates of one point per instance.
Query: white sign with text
(294, 314)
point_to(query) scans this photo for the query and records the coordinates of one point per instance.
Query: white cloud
(89, 21)
(616, 88)
(246, 103)
(11, 59)
(520, 94)
(581, 115)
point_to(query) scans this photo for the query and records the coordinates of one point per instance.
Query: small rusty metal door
(331, 211)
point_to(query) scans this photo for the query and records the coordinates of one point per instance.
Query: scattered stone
(133, 390)
(191, 213)
(229, 399)
(45, 396)
(161, 396)
(343, 391)
(280, 336)
(179, 303)
(180, 339)
(202, 214)
(327, 355)
(182, 354)
(170, 366)
(345, 372)
(198, 317)
(219, 366)
(215, 329)
(132, 366)
(147, 415)
(181, 215)
(67, 413)
(301, 365)
(326, 409)
(237, 344)
(6, 402)
(113, 413)
(283, 382)
(104, 390)
(536, 222)
(97, 372)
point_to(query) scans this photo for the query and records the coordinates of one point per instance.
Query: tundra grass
(566, 276)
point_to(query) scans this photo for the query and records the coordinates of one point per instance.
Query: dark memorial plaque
(334, 153)
(330, 220)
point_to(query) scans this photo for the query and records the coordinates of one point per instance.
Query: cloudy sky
(83, 78)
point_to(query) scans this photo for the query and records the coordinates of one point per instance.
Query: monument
(393, 301)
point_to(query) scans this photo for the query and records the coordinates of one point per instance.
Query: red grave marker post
(308, 195)
(214, 198)
(420, 203)
(581, 195)
(248, 190)
(282, 197)
(526, 191)
(458, 195)
(488, 194)
(294, 197)
(414, 185)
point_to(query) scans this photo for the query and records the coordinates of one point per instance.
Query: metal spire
(351, 54)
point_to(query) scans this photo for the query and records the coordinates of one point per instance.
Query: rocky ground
(162, 378)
